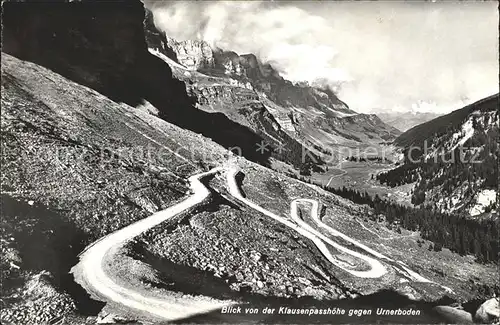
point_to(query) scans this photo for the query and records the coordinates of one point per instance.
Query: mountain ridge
(67, 40)
(453, 160)
(98, 132)
(312, 115)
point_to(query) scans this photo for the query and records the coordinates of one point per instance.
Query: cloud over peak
(378, 55)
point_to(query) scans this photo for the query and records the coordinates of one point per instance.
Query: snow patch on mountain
(483, 199)
(464, 134)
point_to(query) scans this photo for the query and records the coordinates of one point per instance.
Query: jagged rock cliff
(246, 68)
(242, 101)
(69, 39)
(223, 80)
(220, 82)
(192, 54)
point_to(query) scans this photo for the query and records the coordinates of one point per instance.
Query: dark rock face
(225, 86)
(197, 55)
(321, 108)
(102, 45)
(97, 44)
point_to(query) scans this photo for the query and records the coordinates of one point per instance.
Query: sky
(378, 56)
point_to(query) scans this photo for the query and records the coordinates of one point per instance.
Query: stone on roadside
(488, 312)
(454, 315)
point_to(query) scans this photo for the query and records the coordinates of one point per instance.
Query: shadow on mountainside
(178, 277)
(388, 300)
(101, 45)
(46, 241)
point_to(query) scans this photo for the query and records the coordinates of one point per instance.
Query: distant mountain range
(314, 116)
(406, 120)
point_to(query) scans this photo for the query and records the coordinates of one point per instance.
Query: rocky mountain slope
(77, 166)
(97, 134)
(69, 40)
(453, 160)
(312, 115)
(89, 166)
